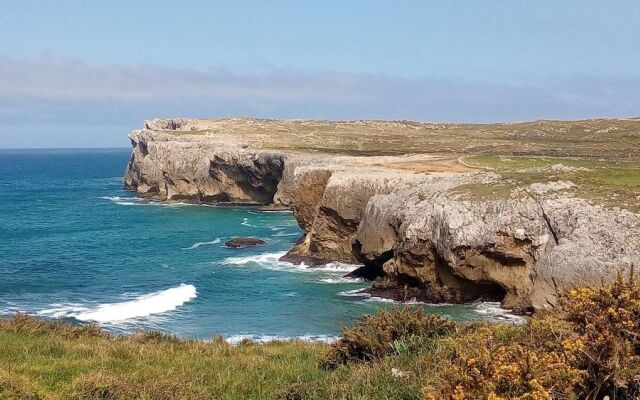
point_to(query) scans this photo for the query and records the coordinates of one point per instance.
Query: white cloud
(47, 92)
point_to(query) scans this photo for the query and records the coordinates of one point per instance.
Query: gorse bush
(607, 343)
(375, 337)
(587, 348)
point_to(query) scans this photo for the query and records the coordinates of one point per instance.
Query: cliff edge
(434, 212)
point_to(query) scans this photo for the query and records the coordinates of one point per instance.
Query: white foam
(135, 201)
(272, 261)
(245, 222)
(142, 306)
(198, 244)
(340, 279)
(123, 201)
(339, 267)
(235, 339)
(264, 258)
(282, 234)
(493, 309)
(354, 293)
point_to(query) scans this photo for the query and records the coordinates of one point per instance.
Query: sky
(85, 73)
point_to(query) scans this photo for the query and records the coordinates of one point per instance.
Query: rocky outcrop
(434, 246)
(168, 167)
(242, 242)
(414, 232)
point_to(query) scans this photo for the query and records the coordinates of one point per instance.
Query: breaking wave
(143, 306)
(235, 339)
(341, 279)
(490, 309)
(494, 310)
(272, 261)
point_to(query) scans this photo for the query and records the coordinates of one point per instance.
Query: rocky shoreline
(404, 217)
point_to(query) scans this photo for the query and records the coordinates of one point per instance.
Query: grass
(608, 182)
(607, 138)
(587, 348)
(61, 362)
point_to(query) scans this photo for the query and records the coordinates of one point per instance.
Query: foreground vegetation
(589, 348)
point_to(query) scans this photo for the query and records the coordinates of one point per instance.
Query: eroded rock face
(412, 231)
(329, 204)
(164, 167)
(524, 250)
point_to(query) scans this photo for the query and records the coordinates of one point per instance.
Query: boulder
(241, 242)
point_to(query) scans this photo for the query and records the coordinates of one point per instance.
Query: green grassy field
(607, 182)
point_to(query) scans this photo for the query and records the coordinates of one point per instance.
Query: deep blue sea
(75, 245)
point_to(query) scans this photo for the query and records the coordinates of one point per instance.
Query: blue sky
(83, 73)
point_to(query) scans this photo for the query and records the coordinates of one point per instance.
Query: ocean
(75, 246)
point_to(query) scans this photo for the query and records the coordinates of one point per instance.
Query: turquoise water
(74, 245)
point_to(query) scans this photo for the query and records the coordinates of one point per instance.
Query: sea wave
(494, 310)
(136, 201)
(245, 222)
(354, 293)
(490, 309)
(272, 261)
(143, 306)
(283, 233)
(340, 280)
(264, 258)
(235, 339)
(198, 244)
(123, 201)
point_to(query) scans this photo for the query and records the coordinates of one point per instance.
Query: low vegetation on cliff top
(587, 348)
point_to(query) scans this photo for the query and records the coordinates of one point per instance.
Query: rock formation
(242, 242)
(403, 217)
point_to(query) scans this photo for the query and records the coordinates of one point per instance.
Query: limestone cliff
(407, 218)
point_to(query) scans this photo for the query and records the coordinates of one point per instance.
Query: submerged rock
(240, 242)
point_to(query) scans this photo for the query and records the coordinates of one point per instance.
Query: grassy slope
(43, 360)
(588, 347)
(61, 362)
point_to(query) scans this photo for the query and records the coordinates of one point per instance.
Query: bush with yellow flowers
(607, 348)
(586, 348)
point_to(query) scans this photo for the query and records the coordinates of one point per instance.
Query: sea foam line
(198, 244)
(236, 339)
(143, 306)
(135, 201)
(488, 308)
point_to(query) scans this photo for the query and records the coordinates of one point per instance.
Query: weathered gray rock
(189, 168)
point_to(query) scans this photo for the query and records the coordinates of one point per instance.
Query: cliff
(453, 213)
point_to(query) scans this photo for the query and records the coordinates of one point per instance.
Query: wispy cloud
(63, 92)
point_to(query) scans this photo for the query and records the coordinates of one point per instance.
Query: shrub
(607, 347)
(588, 348)
(375, 337)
